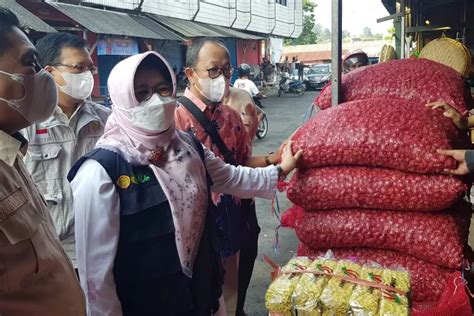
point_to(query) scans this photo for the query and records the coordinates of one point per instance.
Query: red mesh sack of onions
(453, 302)
(428, 280)
(396, 134)
(437, 238)
(419, 80)
(375, 188)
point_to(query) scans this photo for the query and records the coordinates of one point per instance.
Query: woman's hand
(288, 160)
(448, 111)
(277, 156)
(460, 157)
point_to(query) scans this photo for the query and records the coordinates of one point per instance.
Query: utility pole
(336, 52)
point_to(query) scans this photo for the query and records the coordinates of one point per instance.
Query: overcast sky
(356, 14)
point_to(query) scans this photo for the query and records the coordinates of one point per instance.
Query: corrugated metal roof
(27, 19)
(233, 32)
(157, 28)
(198, 29)
(113, 22)
(187, 28)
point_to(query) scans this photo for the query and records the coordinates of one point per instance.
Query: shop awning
(27, 19)
(192, 29)
(114, 23)
(186, 28)
(234, 33)
(157, 28)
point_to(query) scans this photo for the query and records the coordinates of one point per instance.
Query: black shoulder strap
(210, 128)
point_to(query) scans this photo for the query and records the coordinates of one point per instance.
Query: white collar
(9, 147)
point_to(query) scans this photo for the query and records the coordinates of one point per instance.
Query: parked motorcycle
(287, 85)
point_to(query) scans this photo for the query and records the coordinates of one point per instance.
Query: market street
(284, 114)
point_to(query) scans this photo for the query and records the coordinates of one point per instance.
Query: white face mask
(40, 99)
(213, 89)
(78, 86)
(154, 115)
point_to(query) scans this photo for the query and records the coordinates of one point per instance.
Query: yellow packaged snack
(316, 312)
(394, 304)
(310, 286)
(278, 297)
(365, 299)
(337, 293)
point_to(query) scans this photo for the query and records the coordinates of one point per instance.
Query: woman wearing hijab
(145, 236)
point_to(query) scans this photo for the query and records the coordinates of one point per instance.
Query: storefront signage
(117, 46)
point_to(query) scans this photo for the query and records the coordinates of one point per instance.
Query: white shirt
(97, 220)
(247, 85)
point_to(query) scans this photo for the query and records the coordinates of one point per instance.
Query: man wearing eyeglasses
(72, 131)
(208, 70)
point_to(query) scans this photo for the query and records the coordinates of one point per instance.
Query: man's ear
(189, 72)
(56, 75)
(49, 69)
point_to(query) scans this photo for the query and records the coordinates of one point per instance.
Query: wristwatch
(281, 173)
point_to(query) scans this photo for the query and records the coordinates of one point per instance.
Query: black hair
(8, 21)
(153, 62)
(50, 46)
(193, 51)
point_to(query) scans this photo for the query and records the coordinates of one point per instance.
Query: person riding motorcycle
(353, 60)
(248, 85)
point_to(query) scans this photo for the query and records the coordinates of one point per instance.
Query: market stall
(383, 230)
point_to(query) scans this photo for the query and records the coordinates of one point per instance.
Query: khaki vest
(36, 276)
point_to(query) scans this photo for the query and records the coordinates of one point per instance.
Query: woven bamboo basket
(387, 53)
(450, 53)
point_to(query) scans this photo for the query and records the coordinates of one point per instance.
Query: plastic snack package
(310, 286)
(337, 293)
(392, 303)
(365, 299)
(279, 293)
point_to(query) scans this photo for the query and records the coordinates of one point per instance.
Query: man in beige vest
(36, 277)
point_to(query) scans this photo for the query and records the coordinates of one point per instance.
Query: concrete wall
(181, 9)
(219, 12)
(263, 16)
(243, 14)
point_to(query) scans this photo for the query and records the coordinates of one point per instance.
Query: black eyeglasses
(144, 94)
(215, 72)
(78, 69)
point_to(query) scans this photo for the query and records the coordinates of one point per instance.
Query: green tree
(308, 35)
(323, 34)
(367, 32)
(326, 34)
(391, 33)
(391, 30)
(346, 34)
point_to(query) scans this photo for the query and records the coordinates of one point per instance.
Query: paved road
(285, 114)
